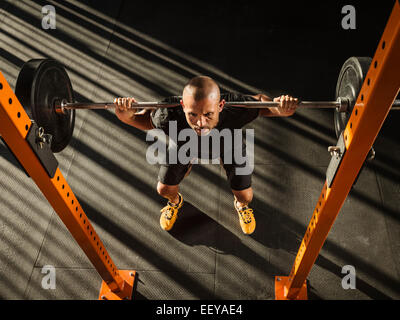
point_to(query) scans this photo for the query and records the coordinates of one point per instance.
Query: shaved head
(201, 87)
(201, 104)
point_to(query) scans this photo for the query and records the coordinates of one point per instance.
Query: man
(202, 109)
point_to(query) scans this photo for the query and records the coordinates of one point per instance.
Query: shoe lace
(247, 214)
(168, 211)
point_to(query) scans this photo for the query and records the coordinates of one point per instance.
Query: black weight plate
(349, 83)
(40, 83)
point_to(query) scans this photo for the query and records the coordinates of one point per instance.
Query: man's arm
(138, 119)
(287, 106)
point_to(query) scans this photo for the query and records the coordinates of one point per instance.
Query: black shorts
(173, 174)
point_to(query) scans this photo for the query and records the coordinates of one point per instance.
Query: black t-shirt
(230, 118)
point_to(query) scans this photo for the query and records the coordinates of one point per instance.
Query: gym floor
(149, 51)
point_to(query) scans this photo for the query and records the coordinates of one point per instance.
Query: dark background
(289, 46)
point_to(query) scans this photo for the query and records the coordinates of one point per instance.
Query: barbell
(45, 91)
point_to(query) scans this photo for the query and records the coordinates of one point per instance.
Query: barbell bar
(341, 104)
(45, 91)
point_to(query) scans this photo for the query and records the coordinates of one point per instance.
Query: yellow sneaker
(246, 218)
(169, 214)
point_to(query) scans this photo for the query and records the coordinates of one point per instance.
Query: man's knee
(165, 190)
(244, 196)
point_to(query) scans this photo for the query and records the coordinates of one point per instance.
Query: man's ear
(221, 104)
(181, 102)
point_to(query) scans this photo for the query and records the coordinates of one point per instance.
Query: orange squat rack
(15, 126)
(372, 106)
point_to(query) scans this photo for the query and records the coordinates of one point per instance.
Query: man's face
(202, 115)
